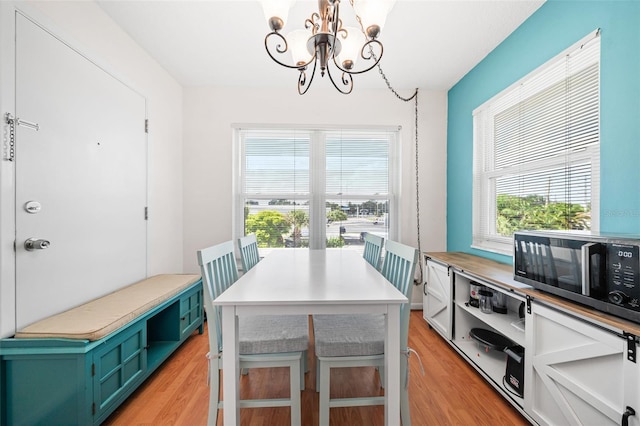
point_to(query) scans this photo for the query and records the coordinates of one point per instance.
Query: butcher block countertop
(501, 275)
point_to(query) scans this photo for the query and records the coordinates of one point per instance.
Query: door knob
(36, 244)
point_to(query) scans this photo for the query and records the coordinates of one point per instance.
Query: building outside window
(537, 151)
(315, 188)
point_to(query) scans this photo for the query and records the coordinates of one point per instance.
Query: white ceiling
(430, 44)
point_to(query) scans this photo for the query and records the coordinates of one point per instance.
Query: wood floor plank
(450, 393)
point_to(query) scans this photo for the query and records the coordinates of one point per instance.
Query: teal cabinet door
(190, 312)
(45, 389)
(118, 367)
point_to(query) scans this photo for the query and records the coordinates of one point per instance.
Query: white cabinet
(436, 302)
(491, 363)
(577, 372)
(576, 369)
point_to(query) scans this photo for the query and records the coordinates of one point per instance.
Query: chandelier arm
(311, 22)
(281, 50)
(371, 55)
(347, 80)
(302, 79)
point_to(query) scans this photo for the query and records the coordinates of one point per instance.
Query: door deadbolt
(36, 244)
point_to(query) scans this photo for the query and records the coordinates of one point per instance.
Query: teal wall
(555, 26)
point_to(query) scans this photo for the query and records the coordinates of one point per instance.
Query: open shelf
(499, 322)
(158, 351)
(492, 364)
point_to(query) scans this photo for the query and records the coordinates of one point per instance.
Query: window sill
(505, 249)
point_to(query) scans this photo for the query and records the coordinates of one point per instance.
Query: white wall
(85, 27)
(209, 114)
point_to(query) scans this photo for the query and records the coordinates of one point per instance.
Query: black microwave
(602, 272)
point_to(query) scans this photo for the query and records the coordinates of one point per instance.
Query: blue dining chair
(358, 340)
(249, 255)
(264, 341)
(373, 249)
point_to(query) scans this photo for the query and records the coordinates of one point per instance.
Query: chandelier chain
(388, 83)
(400, 97)
(417, 190)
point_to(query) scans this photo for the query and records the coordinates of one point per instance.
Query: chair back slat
(398, 268)
(219, 270)
(248, 251)
(373, 249)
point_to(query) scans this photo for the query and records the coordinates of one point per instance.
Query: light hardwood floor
(450, 392)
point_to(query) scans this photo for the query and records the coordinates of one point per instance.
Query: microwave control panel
(623, 275)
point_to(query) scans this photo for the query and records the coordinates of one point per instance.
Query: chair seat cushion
(268, 334)
(349, 335)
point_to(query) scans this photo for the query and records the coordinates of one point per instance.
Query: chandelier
(325, 43)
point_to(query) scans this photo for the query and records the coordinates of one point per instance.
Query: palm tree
(298, 219)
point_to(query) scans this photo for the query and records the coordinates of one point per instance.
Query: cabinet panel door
(190, 312)
(576, 371)
(437, 298)
(119, 365)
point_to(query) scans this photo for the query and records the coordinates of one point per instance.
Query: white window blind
(276, 163)
(536, 151)
(357, 164)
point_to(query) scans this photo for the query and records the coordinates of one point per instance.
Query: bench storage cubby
(78, 366)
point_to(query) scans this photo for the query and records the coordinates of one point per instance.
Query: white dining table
(303, 281)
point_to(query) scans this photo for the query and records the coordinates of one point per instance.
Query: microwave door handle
(586, 251)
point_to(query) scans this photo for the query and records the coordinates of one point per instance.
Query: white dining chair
(264, 341)
(358, 340)
(249, 254)
(373, 249)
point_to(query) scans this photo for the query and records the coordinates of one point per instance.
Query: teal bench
(77, 367)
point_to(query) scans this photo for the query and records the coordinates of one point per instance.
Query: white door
(83, 176)
(437, 298)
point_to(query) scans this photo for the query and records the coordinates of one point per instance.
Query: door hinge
(529, 299)
(146, 213)
(146, 125)
(631, 346)
(93, 370)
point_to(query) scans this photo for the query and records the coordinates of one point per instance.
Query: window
(315, 188)
(537, 150)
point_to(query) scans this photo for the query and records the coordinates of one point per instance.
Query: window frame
(485, 175)
(317, 195)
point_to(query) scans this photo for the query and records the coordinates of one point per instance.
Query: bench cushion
(99, 317)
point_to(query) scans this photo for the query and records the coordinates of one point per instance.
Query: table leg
(392, 366)
(230, 366)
